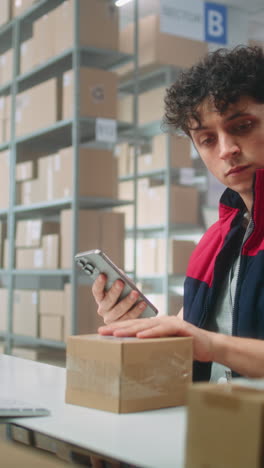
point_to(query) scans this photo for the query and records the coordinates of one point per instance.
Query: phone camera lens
(89, 268)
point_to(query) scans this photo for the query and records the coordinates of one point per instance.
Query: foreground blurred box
(125, 375)
(225, 427)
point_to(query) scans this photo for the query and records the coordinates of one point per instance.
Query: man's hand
(161, 327)
(108, 308)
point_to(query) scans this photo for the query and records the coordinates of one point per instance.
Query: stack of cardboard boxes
(50, 177)
(46, 314)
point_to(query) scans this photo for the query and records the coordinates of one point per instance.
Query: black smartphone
(94, 262)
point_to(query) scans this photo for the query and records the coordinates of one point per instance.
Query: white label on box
(34, 228)
(186, 175)
(34, 298)
(106, 130)
(38, 258)
(183, 18)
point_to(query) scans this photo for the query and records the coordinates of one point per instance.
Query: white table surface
(151, 439)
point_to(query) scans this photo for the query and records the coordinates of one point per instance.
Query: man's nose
(228, 147)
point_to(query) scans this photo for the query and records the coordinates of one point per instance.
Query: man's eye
(206, 141)
(243, 126)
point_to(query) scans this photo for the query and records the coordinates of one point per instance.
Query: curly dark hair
(224, 76)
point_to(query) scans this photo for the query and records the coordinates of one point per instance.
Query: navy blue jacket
(212, 259)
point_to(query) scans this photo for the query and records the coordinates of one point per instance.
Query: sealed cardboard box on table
(127, 375)
(225, 426)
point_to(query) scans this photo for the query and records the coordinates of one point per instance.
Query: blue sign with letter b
(215, 20)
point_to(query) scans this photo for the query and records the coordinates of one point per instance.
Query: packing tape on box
(136, 378)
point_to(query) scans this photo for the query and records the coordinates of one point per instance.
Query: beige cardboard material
(98, 93)
(51, 302)
(51, 327)
(29, 232)
(225, 427)
(95, 15)
(25, 312)
(127, 375)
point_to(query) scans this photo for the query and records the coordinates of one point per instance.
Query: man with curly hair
(219, 104)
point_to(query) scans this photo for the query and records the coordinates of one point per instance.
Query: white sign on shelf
(194, 19)
(106, 130)
(187, 175)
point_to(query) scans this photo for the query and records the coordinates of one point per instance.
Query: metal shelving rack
(167, 283)
(63, 133)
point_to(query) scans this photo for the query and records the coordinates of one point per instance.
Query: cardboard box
(183, 209)
(29, 192)
(157, 48)
(225, 427)
(51, 302)
(159, 300)
(29, 232)
(26, 170)
(44, 31)
(180, 151)
(96, 230)
(51, 251)
(25, 312)
(179, 255)
(98, 93)
(97, 173)
(127, 375)
(4, 179)
(51, 327)
(29, 258)
(4, 309)
(30, 101)
(19, 6)
(87, 319)
(5, 11)
(28, 55)
(95, 15)
(6, 67)
(6, 254)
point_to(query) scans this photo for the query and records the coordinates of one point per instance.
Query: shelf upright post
(75, 144)
(12, 183)
(136, 133)
(167, 229)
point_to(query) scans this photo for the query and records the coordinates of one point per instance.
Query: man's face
(232, 144)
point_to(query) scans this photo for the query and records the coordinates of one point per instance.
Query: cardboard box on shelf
(29, 232)
(25, 312)
(5, 11)
(51, 302)
(51, 327)
(93, 234)
(51, 251)
(19, 6)
(29, 192)
(183, 210)
(125, 108)
(151, 105)
(95, 15)
(4, 307)
(29, 258)
(157, 48)
(46, 178)
(127, 375)
(6, 254)
(122, 154)
(4, 179)
(98, 93)
(87, 319)
(146, 256)
(44, 31)
(97, 173)
(28, 55)
(180, 151)
(30, 101)
(26, 170)
(180, 252)
(6, 67)
(224, 426)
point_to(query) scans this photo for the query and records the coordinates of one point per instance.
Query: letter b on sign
(215, 16)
